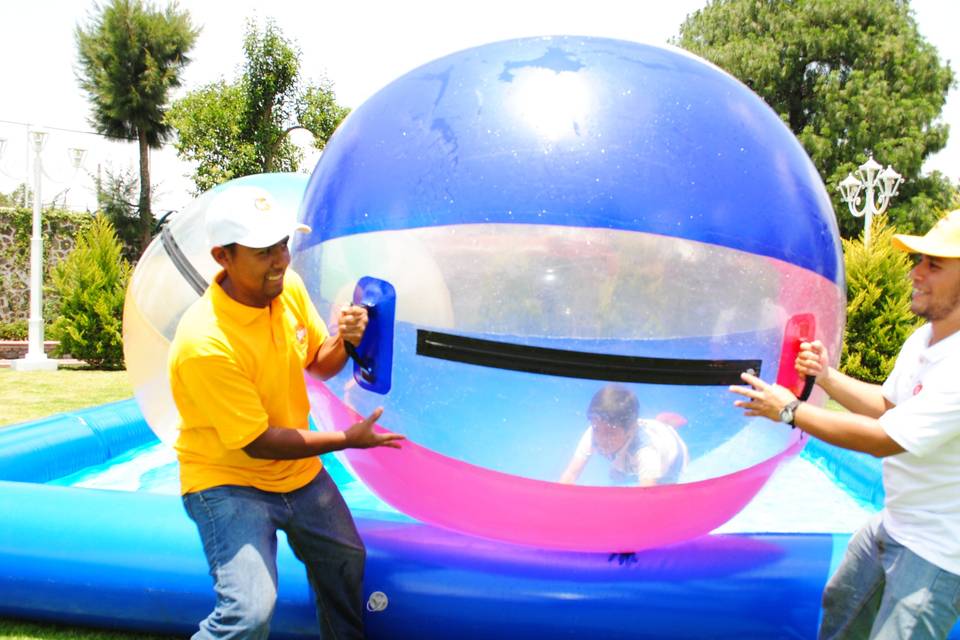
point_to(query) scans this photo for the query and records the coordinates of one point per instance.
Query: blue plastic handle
(373, 357)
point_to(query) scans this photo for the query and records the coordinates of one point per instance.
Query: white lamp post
(880, 184)
(36, 358)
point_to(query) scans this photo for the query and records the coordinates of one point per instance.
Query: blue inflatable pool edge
(133, 561)
(125, 560)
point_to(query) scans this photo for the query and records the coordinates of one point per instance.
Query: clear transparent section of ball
(170, 275)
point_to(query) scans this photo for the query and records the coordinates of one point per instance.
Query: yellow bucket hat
(942, 241)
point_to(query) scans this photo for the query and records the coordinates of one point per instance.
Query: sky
(359, 45)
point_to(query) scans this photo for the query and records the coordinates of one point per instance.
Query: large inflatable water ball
(170, 275)
(553, 215)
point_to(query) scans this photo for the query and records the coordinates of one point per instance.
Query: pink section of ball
(460, 496)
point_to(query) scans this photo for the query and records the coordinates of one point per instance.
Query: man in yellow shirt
(248, 461)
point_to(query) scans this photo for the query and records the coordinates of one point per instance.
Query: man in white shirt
(900, 577)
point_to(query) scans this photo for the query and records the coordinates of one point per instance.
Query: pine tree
(878, 304)
(91, 282)
(131, 55)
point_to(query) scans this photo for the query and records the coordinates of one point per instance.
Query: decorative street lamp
(36, 358)
(880, 184)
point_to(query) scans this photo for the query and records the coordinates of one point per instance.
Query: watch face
(786, 414)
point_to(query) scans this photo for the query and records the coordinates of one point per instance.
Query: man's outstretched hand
(363, 436)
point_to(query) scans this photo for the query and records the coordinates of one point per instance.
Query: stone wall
(59, 232)
(16, 349)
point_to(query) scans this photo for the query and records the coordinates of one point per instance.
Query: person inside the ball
(641, 451)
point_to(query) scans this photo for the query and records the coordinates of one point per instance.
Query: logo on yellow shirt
(301, 334)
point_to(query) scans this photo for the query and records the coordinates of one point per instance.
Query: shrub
(878, 304)
(91, 282)
(16, 330)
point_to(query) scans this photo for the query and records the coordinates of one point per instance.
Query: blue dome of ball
(577, 131)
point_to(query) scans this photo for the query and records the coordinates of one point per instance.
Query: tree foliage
(240, 128)
(208, 126)
(91, 283)
(849, 77)
(878, 304)
(116, 200)
(22, 196)
(131, 55)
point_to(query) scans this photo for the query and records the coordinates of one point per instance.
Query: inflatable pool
(131, 560)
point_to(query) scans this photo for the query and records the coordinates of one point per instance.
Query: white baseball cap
(249, 216)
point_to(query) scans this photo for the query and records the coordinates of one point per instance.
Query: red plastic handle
(800, 328)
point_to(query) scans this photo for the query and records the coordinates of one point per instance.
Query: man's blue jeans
(238, 527)
(882, 591)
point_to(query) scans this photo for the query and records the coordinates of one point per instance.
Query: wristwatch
(787, 414)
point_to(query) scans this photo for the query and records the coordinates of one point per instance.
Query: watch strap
(792, 408)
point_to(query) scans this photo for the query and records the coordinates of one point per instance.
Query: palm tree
(131, 55)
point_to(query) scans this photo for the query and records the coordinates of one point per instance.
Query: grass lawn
(34, 394)
(16, 630)
(28, 395)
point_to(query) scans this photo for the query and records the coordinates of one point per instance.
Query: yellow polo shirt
(235, 370)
